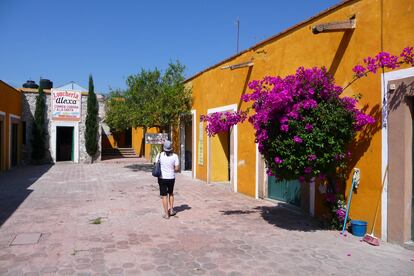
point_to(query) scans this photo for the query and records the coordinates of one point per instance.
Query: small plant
(97, 220)
(337, 206)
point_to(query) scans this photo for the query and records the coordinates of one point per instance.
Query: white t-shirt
(168, 164)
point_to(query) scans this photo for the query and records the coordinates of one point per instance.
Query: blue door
(287, 191)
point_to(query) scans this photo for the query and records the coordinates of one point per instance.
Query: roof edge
(330, 9)
(5, 83)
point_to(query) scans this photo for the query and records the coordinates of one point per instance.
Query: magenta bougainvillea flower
(384, 60)
(297, 139)
(222, 121)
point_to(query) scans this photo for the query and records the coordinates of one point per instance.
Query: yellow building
(10, 126)
(348, 32)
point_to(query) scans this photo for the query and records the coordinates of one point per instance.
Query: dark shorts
(166, 186)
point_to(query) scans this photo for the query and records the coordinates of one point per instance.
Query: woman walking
(169, 166)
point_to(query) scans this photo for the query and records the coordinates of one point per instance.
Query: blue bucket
(359, 228)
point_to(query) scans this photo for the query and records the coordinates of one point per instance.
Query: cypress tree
(39, 132)
(91, 132)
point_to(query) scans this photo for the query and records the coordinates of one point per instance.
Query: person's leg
(171, 200)
(165, 205)
(171, 196)
(163, 194)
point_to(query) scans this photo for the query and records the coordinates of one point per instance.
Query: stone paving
(105, 219)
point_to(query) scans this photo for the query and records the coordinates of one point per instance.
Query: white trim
(208, 158)
(75, 125)
(2, 113)
(257, 171)
(194, 146)
(231, 107)
(11, 116)
(385, 78)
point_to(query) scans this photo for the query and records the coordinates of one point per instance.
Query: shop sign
(155, 138)
(66, 105)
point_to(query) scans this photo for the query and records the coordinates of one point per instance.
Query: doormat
(26, 238)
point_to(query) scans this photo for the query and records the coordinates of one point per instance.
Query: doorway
(220, 157)
(286, 191)
(188, 164)
(64, 143)
(128, 138)
(397, 194)
(14, 144)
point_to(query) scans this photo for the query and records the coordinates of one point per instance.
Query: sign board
(201, 145)
(155, 138)
(66, 105)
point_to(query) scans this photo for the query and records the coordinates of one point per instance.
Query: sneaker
(172, 212)
(165, 216)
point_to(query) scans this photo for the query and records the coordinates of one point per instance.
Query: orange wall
(337, 51)
(137, 140)
(10, 103)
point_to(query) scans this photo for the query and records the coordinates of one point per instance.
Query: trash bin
(359, 228)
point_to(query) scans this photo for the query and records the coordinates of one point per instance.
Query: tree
(39, 130)
(152, 99)
(91, 132)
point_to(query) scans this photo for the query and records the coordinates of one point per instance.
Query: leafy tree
(152, 99)
(91, 132)
(39, 131)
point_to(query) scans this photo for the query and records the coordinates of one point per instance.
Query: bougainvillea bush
(302, 124)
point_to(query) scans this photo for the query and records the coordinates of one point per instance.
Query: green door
(287, 191)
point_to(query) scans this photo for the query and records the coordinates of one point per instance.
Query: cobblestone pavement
(215, 232)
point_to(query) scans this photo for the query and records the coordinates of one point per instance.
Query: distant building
(10, 126)
(65, 121)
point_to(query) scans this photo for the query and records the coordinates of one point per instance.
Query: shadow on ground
(14, 188)
(282, 217)
(140, 167)
(181, 208)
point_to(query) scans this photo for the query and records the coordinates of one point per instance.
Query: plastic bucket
(359, 228)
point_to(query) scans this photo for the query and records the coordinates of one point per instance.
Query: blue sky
(67, 40)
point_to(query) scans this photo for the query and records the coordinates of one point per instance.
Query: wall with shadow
(14, 188)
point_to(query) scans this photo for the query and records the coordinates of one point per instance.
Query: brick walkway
(215, 232)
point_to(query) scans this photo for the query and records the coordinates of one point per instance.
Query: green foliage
(152, 99)
(39, 131)
(91, 132)
(117, 114)
(97, 220)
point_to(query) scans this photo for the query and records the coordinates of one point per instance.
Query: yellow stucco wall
(10, 104)
(137, 140)
(390, 30)
(220, 157)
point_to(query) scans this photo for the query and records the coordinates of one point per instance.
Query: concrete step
(119, 152)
